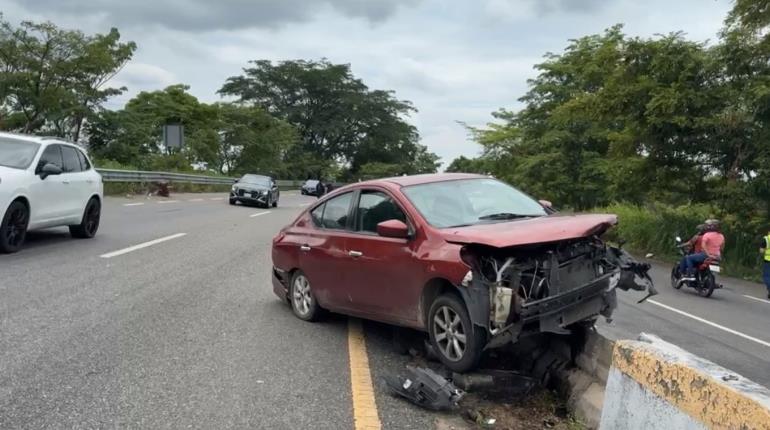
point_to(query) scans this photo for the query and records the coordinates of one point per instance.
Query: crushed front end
(546, 287)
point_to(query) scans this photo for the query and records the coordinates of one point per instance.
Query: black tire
(89, 223)
(675, 275)
(275, 203)
(301, 298)
(232, 201)
(13, 227)
(451, 352)
(707, 285)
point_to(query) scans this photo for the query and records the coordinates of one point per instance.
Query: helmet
(712, 224)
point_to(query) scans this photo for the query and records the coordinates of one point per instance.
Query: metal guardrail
(114, 175)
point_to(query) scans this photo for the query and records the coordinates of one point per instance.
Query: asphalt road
(186, 332)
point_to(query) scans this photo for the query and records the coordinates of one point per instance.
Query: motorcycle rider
(692, 246)
(712, 242)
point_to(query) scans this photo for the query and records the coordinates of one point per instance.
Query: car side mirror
(236, 181)
(547, 205)
(393, 228)
(50, 169)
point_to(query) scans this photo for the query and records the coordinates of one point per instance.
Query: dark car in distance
(309, 187)
(255, 189)
(471, 260)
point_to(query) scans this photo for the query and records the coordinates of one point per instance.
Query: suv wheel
(13, 227)
(303, 302)
(456, 341)
(90, 221)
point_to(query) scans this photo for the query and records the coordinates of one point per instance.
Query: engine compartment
(547, 287)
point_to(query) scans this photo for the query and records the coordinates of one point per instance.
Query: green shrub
(652, 228)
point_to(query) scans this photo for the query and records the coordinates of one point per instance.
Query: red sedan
(471, 260)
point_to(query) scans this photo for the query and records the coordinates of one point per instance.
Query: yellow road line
(364, 407)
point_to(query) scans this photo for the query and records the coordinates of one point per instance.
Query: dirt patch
(539, 410)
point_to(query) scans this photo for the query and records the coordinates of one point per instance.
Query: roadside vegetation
(291, 119)
(665, 131)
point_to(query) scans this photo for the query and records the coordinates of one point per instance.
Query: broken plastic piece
(425, 388)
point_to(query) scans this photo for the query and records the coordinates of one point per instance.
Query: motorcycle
(704, 283)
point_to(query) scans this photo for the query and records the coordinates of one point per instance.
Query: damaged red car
(471, 260)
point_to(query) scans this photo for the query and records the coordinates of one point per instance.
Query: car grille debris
(425, 388)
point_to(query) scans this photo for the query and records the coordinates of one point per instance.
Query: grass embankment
(653, 229)
(124, 188)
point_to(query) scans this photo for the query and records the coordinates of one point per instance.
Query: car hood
(7, 173)
(551, 228)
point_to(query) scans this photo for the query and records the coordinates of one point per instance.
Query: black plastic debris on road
(425, 388)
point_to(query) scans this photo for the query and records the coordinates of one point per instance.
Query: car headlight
(234, 188)
(264, 192)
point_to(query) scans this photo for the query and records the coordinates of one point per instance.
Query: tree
(52, 80)
(339, 119)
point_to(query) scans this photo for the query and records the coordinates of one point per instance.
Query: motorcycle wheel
(706, 285)
(675, 278)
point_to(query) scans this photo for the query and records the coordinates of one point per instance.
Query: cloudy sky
(456, 60)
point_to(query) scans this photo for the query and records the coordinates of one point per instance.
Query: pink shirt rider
(712, 243)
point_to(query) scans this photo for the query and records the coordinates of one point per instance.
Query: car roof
(37, 139)
(406, 181)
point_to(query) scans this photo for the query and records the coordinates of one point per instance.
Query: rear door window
(52, 155)
(84, 164)
(70, 159)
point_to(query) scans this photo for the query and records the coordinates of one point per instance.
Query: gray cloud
(547, 7)
(207, 15)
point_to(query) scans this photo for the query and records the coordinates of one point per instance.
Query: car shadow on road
(44, 238)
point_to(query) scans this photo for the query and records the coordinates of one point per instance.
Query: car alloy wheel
(455, 340)
(89, 224)
(303, 302)
(14, 227)
(449, 333)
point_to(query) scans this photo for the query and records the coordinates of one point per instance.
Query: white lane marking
(217, 198)
(132, 204)
(715, 325)
(757, 299)
(258, 214)
(195, 200)
(167, 201)
(141, 245)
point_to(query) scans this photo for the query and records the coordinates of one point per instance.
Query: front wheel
(707, 285)
(13, 227)
(675, 276)
(456, 341)
(89, 224)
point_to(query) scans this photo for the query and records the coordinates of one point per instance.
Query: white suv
(46, 182)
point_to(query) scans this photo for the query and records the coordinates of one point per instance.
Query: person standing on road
(320, 190)
(764, 249)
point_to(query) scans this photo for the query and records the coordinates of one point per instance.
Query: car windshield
(471, 201)
(17, 154)
(255, 180)
(311, 183)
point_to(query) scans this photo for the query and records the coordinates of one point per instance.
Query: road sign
(173, 136)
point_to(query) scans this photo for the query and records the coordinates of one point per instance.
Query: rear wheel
(707, 284)
(13, 227)
(456, 341)
(303, 301)
(89, 224)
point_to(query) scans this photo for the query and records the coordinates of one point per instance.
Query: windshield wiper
(504, 215)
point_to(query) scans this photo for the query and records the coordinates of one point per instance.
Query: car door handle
(65, 182)
(90, 181)
(355, 254)
(304, 248)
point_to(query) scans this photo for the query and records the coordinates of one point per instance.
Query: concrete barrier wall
(653, 384)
